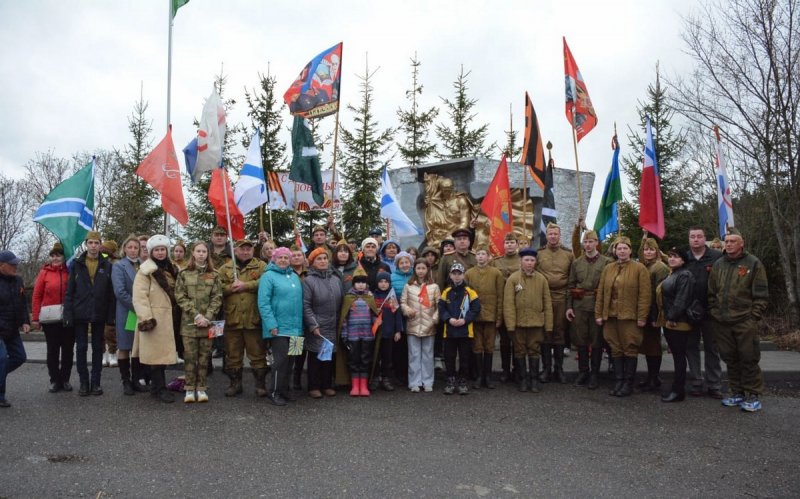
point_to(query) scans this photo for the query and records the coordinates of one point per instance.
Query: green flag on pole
(305, 167)
(175, 5)
(68, 210)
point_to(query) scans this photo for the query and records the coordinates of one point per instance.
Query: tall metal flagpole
(577, 168)
(169, 90)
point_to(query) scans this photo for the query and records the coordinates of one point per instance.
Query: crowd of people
(370, 315)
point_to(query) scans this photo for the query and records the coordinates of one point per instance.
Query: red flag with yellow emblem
(497, 207)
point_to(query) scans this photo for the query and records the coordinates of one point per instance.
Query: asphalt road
(563, 442)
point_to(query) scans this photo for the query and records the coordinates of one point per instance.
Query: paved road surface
(564, 442)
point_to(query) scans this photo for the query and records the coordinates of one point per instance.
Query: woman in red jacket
(48, 294)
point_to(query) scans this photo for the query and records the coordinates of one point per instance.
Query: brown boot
(261, 381)
(235, 388)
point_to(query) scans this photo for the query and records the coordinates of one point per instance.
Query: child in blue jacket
(458, 308)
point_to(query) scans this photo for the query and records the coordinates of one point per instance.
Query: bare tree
(747, 80)
(13, 205)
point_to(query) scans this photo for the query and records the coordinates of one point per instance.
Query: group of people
(372, 315)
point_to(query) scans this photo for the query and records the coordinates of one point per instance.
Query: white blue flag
(390, 209)
(724, 200)
(251, 189)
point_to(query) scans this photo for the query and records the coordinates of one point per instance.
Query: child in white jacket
(419, 306)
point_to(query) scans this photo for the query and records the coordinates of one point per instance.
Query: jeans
(420, 361)
(60, 348)
(713, 372)
(82, 348)
(12, 355)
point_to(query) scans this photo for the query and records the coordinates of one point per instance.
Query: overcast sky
(70, 71)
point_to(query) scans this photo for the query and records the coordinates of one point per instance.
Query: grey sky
(71, 70)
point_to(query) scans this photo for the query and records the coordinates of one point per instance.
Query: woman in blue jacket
(280, 303)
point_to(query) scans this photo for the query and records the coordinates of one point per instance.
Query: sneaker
(112, 360)
(179, 361)
(4, 403)
(105, 359)
(566, 352)
(414, 389)
(438, 364)
(751, 403)
(202, 396)
(428, 389)
(189, 398)
(462, 389)
(734, 400)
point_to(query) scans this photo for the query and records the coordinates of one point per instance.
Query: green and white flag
(305, 160)
(68, 210)
(174, 5)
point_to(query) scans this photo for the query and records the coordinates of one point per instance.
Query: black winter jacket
(677, 293)
(701, 269)
(13, 306)
(86, 301)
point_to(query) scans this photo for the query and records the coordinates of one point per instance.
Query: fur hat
(110, 246)
(157, 241)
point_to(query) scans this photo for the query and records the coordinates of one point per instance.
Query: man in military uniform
(737, 299)
(319, 238)
(462, 254)
(554, 263)
(242, 320)
(507, 264)
(220, 254)
(584, 275)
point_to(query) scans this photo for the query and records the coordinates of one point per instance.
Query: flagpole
(577, 168)
(616, 139)
(225, 185)
(336, 134)
(169, 89)
(525, 202)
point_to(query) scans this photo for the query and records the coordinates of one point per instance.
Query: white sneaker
(189, 398)
(428, 389)
(112, 360)
(180, 361)
(105, 359)
(202, 396)
(438, 365)
(414, 389)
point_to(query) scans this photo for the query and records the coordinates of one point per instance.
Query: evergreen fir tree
(201, 214)
(266, 115)
(414, 123)
(511, 150)
(677, 184)
(459, 141)
(363, 150)
(135, 207)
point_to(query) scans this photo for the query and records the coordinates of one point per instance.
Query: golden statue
(445, 209)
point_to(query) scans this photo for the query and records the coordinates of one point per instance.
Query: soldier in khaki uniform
(242, 320)
(198, 291)
(650, 256)
(528, 315)
(554, 262)
(220, 255)
(462, 255)
(489, 283)
(621, 307)
(507, 265)
(737, 298)
(584, 275)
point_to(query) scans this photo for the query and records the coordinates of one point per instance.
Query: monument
(442, 196)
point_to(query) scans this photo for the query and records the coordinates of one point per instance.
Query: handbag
(51, 314)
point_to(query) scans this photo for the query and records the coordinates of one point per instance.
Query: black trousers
(387, 357)
(281, 364)
(461, 347)
(320, 373)
(359, 357)
(60, 349)
(678, 341)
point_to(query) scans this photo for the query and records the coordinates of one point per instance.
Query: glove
(147, 325)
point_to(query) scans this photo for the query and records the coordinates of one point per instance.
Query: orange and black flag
(532, 148)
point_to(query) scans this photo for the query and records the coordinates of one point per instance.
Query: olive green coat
(526, 302)
(633, 292)
(241, 309)
(489, 283)
(197, 292)
(737, 289)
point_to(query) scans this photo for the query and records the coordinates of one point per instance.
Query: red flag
(580, 112)
(160, 169)
(651, 210)
(220, 187)
(424, 299)
(315, 92)
(532, 148)
(497, 207)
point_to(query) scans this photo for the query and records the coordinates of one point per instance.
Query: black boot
(486, 371)
(522, 377)
(657, 371)
(597, 358)
(158, 386)
(583, 366)
(547, 362)
(533, 369)
(475, 361)
(630, 374)
(260, 376)
(652, 382)
(235, 386)
(137, 373)
(558, 364)
(619, 375)
(125, 373)
(505, 361)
